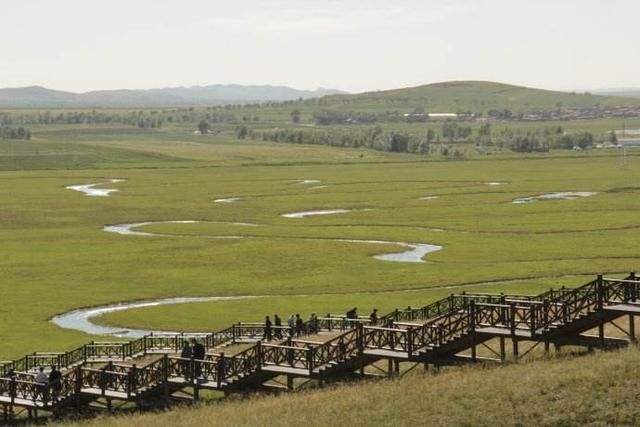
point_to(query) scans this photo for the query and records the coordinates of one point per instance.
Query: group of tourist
(195, 351)
(49, 385)
(296, 327)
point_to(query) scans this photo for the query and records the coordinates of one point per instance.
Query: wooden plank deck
(503, 332)
(285, 370)
(209, 385)
(624, 308)
(92, 391)
(24, 403)
(387, 354)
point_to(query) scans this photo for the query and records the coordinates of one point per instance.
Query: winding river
(80, 319)
(415, 253)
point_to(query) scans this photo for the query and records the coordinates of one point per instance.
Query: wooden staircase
(448, 331)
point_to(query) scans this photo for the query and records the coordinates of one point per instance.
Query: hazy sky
(355, 45)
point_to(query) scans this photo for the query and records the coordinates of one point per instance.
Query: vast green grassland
(55, 255)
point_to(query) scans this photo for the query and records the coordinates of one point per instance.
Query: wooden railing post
(192, 369)
(259, 356)
(12, 392)
(600, 291)
(131, 380)
(310, 358)
(546, 306)
(360, 345)
(103, 381)
(634, 287)
(472, 328)
(533, 319)
(409, 342)
(472, 316)
(78, 385)
(512, 318)
(220, 369)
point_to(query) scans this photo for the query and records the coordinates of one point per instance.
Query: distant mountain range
(41, 97)
(476, 96)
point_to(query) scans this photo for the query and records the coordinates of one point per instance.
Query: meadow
(56, 257)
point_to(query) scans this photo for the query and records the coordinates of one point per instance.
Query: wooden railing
(403, 333)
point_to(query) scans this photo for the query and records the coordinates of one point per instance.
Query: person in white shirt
(41, 377)
(43, 380)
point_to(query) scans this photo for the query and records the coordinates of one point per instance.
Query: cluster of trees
(373, 138)
(7, 132)
(452, 131)
(542, 139)
(142, 119)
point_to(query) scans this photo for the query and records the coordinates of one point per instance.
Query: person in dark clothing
(199, 353)
(186, 353)
(349, 317)
(278, 324)
(373, 317)
(267, 329)
(55, 383)
(299, 325)
(313, 323)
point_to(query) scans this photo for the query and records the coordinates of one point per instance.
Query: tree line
(7, 132)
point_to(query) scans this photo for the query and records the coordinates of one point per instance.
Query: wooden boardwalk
(448, 331)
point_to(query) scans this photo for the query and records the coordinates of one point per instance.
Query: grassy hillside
(476, 96)
(598, 389)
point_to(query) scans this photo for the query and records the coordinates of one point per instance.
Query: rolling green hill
(475, 96)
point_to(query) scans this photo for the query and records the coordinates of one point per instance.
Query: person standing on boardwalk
(267, 336)
(278, 324)
(43, 380)
(55, 383)
(186, 353)
(299, 325)
(349, 317)
(199, 353)
(313, 323)
(373, 317)
(291, 323)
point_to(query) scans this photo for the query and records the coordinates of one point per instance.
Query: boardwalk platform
(449, 331)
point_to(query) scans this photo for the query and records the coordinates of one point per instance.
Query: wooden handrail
(447, 319)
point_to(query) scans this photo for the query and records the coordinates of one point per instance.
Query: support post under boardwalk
(390, 368)
(632, 328)
(601, 332)
(289, 382)
(516, 353)
(503, 352)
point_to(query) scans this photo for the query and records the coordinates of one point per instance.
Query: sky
(353, 45)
